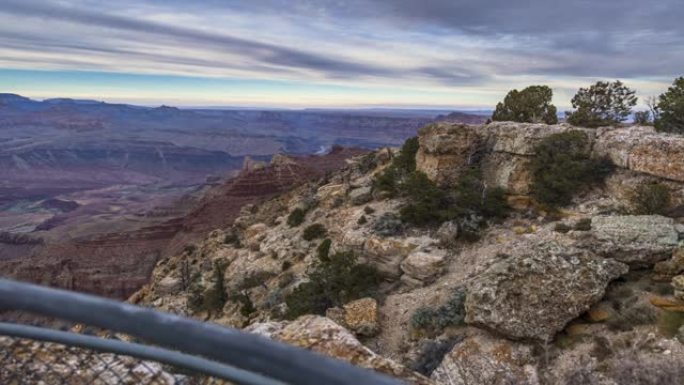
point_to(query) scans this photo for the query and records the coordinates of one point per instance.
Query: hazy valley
(84, 182)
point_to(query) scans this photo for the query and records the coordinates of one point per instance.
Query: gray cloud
(552, 38)
(602, 34)
(261, 52)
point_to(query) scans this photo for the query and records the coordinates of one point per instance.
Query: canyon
(92, 194)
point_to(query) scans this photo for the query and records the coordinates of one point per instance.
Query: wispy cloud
(473, 50)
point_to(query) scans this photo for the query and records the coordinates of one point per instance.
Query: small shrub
(562, 228)
(562, 167)
(368, 210)
(232, 239)
(362, 220)
(427, 202)
(651, 199)
(583, 224)
(431, 355)
(367, 163)
(246, 304)
(332, 282)
(387, 225)
(195, 296)
(495, 204)
(669, 323)
(422, 318)
(470, 203)
(403, 164)
(215, 296)
(296, 217)
(286, 265)
(189, 249)
(406, 160)
(314, 231)
(452, 313)
(323, 250)
(254, 279)
(631, 315)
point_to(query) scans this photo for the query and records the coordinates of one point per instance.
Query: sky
(452, 54)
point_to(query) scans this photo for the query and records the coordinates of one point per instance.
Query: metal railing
(177, 350)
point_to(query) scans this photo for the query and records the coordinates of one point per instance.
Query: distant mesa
(10, 99)
(72, 101)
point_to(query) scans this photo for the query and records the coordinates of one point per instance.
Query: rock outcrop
(326, 337)
(482, 359)
(636, 240)
(446, 150)
(424, 265)
(534, 294)
(643, 150)
(361, 316)
(506, 148)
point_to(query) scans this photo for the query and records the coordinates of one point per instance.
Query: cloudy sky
(342, 53)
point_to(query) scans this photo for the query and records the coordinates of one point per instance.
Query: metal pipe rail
(239, 353)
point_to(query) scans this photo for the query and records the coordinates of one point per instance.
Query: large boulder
(485, 360)
(521, 138)
(534, 294)
(328, 338)
(361, 316)
(254, 235)
(386, 254)
(643, 150)
(446, 150)
(678, 285)
(361, 195)
(447, 234)
(331, 195)
(424, 265)
(638, 240)
(508, 171)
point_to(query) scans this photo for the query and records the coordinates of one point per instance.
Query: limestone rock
(386, 254)
(336, 314)
(509, 171)
(510, 150)
(678, 284)
(361, 195)
(448, 233)
(328, 338)
(638, 240)
(534, 294)
(446, 150)
(643, 150)
(168, 285)
(485, 360)
(424, 266)
(521, 138)
(254, 235)
(666, 270)
(361, 316)
(331, 195)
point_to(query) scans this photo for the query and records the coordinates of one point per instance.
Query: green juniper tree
(671, 109)
(602, 104)
(531, 105)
